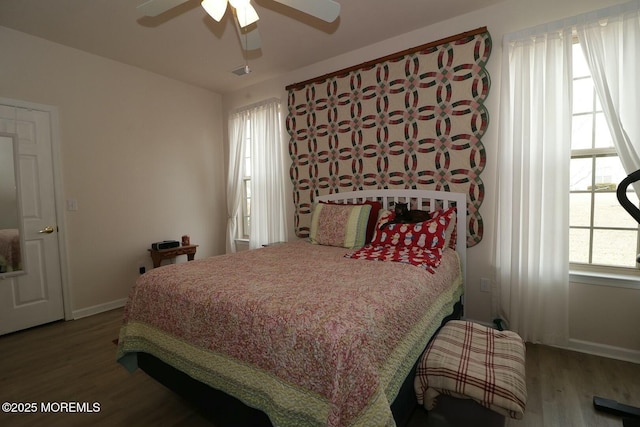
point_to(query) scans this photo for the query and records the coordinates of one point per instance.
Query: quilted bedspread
(297, 330)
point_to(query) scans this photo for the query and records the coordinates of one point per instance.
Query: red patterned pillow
(427, 235)
(384, 216)
(451, 234)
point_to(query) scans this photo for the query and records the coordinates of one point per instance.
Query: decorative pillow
(384, 216)
(427, 235)
(373, 216)
(339, 225)
(451, 233)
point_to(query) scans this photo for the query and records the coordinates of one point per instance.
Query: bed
(299, 333)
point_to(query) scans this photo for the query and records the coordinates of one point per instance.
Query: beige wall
(141, 154)
(617, 322)
(605, 315)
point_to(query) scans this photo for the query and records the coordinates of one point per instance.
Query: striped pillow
(339, 225)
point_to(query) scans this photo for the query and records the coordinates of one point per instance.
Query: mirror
(11, 236)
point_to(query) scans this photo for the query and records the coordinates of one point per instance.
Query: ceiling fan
(245, 14)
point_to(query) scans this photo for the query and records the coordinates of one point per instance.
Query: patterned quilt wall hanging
(410, 120)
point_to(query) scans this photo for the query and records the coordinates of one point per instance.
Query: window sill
(605, 279)
(242, 245)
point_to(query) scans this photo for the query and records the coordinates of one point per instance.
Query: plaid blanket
(471, 361)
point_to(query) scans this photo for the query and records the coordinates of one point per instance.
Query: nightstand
(158, 255)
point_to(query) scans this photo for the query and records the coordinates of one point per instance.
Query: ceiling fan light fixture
(246, 15)
(215, 8)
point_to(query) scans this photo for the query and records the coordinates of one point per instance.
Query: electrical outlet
(142, 269)
(485, 285)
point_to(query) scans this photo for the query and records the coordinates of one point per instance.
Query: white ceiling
(186, 44)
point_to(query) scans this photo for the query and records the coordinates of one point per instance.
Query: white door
(35, 297)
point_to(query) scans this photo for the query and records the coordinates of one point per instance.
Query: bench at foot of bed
(472, 375)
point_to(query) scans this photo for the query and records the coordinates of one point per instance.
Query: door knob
(47, 230)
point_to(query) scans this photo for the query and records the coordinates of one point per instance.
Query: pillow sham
(451, 233)
(384, 216)
(339, 225)
(426, 235)
(373, 216)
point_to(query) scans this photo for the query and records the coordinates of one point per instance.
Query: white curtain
(237, 137)
(532, 228)
(610, 40)
(267, 177)
(267, 174)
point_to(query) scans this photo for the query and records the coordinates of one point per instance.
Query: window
(603, 236)
(245, 210)
(256, 185)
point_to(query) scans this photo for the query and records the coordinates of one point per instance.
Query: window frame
(245, 211)
(244, 214)
(621, 276)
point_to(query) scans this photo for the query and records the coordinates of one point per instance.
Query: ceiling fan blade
(156, 7)
(246, 16)
(215, 8)
(327, 10)
(249, 37)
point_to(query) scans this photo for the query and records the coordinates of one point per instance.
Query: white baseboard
(100, 308)
(604, 350)
(593, 348)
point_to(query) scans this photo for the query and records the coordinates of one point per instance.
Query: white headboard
(418, 199)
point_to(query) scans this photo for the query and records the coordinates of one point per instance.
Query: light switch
(72, 205)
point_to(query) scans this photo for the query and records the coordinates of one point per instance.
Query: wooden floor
(75, 362)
